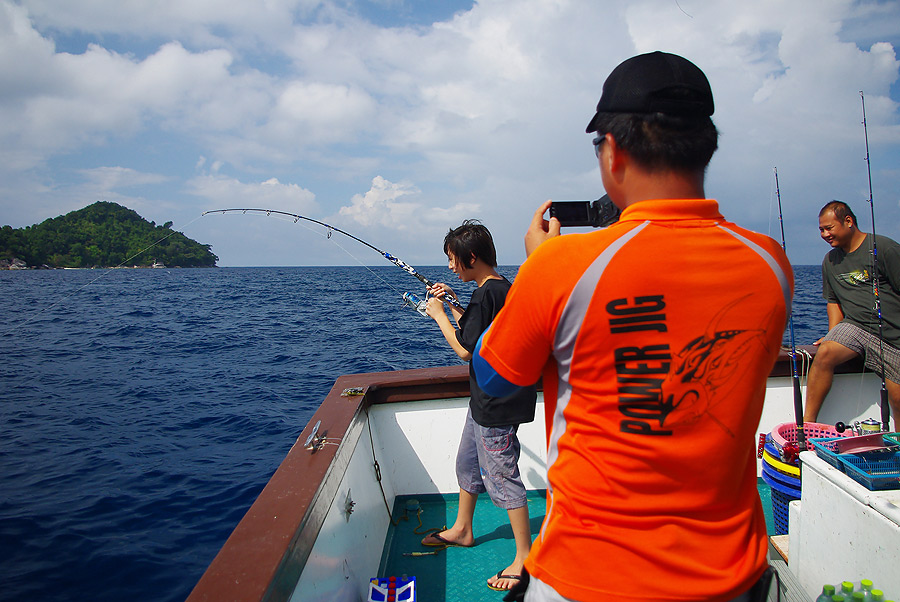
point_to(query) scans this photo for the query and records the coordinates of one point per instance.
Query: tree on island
(103, 234)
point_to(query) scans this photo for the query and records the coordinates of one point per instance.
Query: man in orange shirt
(654, 338)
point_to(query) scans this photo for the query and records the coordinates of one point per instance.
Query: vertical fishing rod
(795, 376)
(885, 405)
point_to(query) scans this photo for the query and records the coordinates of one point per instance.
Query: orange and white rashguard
(654, 338)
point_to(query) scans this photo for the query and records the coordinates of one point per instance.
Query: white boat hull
(308, 547)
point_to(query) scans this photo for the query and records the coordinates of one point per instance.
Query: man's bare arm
(835, 315)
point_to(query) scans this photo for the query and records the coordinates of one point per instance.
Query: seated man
(853, 323)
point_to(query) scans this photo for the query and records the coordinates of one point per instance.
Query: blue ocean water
(142, 411)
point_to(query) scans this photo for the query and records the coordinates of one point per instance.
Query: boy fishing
(488, 455)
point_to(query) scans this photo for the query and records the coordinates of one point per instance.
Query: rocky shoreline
(18, 264)
(14, 264)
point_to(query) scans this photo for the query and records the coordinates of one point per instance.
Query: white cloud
(31, 71)
(111, 178)
(481, 115)
(100, 95)
(203, 22)
(381, 205)
(314, 112)
(223, 192)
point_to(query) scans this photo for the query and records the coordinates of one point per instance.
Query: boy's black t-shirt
(486, 302)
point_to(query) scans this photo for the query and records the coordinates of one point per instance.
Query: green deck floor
(460, 574)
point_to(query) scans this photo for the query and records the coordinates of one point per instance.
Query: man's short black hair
(841, 211)
(469, 242)
(658, 141)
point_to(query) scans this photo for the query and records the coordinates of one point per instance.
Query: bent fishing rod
(885, 405)
(795, 376)
(407, 297)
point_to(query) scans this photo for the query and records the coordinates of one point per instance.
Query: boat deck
(454, 573)
(298, 541)
(459, 574)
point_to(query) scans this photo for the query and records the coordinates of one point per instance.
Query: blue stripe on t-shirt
(488, 379)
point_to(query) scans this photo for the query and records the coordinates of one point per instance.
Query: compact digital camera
(597, 214)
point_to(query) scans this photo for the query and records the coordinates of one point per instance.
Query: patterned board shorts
(868, 346)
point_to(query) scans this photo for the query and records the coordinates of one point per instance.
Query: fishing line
(102, 275)
(395, 260)
(885, 405)
(409, 299)
(327, 236)
(389, 342)
(682, 10)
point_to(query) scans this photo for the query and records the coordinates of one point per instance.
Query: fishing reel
(866, 427)
(412, 300)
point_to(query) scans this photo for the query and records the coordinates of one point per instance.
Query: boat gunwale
(268, 548)
(264, 556)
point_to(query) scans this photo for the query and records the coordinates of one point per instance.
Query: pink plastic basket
(787, 432)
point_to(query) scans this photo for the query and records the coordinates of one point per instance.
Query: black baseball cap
(656, 82)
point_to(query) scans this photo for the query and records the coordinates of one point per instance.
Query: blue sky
(395, 120)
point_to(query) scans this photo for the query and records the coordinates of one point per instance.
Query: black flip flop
(500, 576)
(434, 539)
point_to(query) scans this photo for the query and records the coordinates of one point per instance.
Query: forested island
(103, 234)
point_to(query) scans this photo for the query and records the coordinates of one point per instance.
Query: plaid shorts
(488, 460)
(868, 346)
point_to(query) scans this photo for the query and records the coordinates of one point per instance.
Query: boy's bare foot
(507, 578)
(448, 538)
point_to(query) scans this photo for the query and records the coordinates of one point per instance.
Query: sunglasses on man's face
(597, 142)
